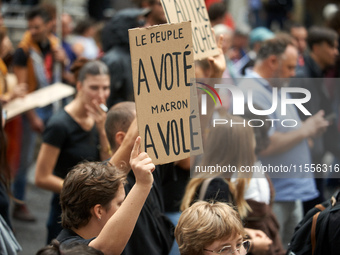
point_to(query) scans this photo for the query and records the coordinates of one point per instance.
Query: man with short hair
(288, 147)
(153, 233)
(323, 45)
(34, 65)
(299, 33)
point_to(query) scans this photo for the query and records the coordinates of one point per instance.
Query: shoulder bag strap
(313, 237)
(204, 188)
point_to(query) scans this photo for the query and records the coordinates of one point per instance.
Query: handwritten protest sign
(162, 66)
(176, 11)
(39, 98)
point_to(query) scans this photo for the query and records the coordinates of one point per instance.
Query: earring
(100, 218)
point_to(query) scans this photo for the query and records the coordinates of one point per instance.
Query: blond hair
(226, 145)
(203, 223)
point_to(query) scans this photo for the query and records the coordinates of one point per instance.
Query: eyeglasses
(243, 248)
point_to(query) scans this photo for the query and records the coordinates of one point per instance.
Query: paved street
(32, 236)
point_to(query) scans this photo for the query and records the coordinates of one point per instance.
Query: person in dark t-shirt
(153, 233)
(95, 210)
(74, 134)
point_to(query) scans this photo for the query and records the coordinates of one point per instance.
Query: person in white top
(84, 44)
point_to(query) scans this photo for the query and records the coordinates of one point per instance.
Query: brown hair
(83, 25)
(93, 67)
(317, 35)
(39, 11)
(225, 146)
(77, 65)
(203, 223)
(275, 46)
(119, 118)
(83, 67)
(86, 185)
(50, 9)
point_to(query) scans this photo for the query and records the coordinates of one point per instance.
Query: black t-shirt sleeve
(77, 240)
(55, 132)
(68, 237)
(218, 190)
(20, 58)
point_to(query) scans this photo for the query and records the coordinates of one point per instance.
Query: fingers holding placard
(141, 164)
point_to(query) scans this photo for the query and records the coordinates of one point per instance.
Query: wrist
(303, 131)
(143, 187)
(101, 129)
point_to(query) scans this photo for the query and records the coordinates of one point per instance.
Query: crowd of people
(108, 196)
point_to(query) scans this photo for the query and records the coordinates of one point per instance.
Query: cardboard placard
(39, 98)
(204, 42)
(162, 66)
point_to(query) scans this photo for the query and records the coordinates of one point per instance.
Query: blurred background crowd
(97, 29)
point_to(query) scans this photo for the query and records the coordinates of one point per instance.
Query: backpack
(319, 231)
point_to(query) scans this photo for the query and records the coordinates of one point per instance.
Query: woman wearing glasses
(209, 228)
(233, 146)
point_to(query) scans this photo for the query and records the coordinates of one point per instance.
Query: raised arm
(116, 233)
(121, 157)
(217, 66)
(44, 177)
